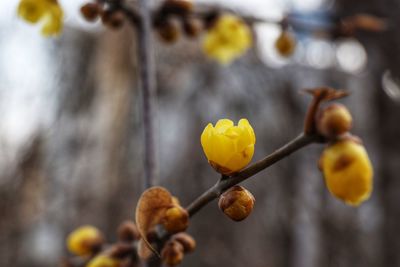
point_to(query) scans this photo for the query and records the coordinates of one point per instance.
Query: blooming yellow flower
(348, 171)
(83, 239)
(103, 261)
(48, 12)
(228, 148)
(229, 38)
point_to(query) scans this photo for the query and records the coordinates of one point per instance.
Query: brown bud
(121, 250)
(176, 219)
(128, 232)
(188, 243)
(169, 30)
(334, 120)
(113, 19)
(172, 253)
(91, 11)
(192, 27)
(237, 203)
(180, 7)
(285, 44)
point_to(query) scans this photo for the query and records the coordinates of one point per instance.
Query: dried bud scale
(237, 203)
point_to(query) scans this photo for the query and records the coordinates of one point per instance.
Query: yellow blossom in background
(228, 39)
(103, 261)
(83, 240)
(348, 171)
(48, 12)
(285, 44)
(228, 148)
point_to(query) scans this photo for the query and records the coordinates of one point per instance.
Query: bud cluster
(176, 247)
(174, 17)
(110, 15)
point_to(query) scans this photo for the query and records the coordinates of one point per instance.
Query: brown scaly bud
(187, 241)
(176, 220)
(169, 30)
(237, 203)
(113, 19)
(91, 11)
(192, 27)
(121, 250)
(179, 7)
(128, 232)
(172, 253)
(334, 120)
(285, 44)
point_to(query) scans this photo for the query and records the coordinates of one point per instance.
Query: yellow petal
(223, 125)
(241, 159)
(206, 140)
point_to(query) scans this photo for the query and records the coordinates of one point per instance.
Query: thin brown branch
(227, 182)
(147, 84)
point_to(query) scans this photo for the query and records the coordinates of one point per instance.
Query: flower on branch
(228, 148)
(48, 12)
(348, 171)
(227, 39)
(84, 241)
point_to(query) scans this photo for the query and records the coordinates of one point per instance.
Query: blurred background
(71, 148)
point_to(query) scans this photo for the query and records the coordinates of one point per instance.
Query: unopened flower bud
(91, 11)
(113, 19)
(84, 241)
(176, 219)
(334, 120)
(192, 27)
(169, 30)
(188, 243)
(237, 203)
(103, 261)
(128, 232)
(172, 253)
(285, 44)
(348, 171)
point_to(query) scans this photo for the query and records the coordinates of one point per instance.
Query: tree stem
(147, 84)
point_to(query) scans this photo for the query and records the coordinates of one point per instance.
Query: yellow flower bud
(228, 148)
(285, 44)
(31, 10)
(103, 261)
(84, 240)
(172, 253)
(228, 39)
(237, 203)
(47, 11)
(176, 219)
(334, 120)
(348, 171)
